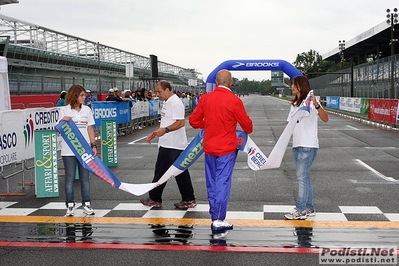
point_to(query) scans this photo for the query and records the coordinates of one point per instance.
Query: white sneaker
(296, 215)
(310, 213)
(219, 225)
(87, 209)
(70, 209)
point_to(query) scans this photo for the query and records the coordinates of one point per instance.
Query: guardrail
(22, 168)
(9, 174)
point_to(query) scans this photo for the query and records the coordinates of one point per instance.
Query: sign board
(277, 78)
(109, 151)
(46, 164)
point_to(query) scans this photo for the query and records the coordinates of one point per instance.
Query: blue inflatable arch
(252, 65)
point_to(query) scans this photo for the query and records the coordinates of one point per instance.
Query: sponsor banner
(13, 137)
(140, 109)
(17, 129)
(256, 159)
(342, 103)
(109, 149)
(85, 155)
(383, 110)
(350, 104)
(120, 111)
(364, 106)
(193, 151)
(153, 107)
(333, 102)
(38, 119)
(359, 256)
(357, 104)
(46, 164)
(397, 115)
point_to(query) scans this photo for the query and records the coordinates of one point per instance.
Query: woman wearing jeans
(305, 146)
(82, 116)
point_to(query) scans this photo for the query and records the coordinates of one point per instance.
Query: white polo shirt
(305, 132)
(82, 119)
(172, 110)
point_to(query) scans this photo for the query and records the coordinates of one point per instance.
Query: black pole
(99, 68)
(393, 92)
(352, 90)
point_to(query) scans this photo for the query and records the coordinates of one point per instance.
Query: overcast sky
(201, 34)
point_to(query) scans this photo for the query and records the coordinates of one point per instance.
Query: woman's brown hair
(303, 86)
(73, 95)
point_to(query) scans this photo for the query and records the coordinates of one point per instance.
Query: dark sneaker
(150, 203)
(184, 205)
(219, 225)
(296, 215)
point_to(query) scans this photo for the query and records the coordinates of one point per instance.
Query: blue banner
(194, 102)
(193, 151)
(333, 102)
(256, 159)
(153, 107)
(252, 65)
(85, 154)
(120, 111)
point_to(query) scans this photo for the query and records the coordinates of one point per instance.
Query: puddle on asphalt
(197, 235)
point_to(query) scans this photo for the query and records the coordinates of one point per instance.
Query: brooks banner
(256, 159)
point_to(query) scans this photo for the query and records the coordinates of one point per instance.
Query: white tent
(5, 102)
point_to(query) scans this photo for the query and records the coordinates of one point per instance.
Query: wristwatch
(167, 130)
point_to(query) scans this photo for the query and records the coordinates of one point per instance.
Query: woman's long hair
(302, 84)
(73, 95)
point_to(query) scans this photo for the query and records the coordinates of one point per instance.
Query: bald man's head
(223, 78)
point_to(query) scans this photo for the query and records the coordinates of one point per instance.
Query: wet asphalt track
(48, 238)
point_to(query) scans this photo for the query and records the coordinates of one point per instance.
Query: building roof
(371, 43)
(6, 2)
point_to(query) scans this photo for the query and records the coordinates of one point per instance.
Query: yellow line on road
(204, 222)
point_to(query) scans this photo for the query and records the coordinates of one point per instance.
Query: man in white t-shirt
(172, 142)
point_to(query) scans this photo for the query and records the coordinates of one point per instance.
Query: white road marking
(375, 171)
(381, 148)
(351, 127)
(134, 141)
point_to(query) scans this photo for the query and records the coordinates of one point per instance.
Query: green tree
(308, 62)
(312, 65)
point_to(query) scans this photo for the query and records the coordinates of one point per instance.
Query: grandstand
(370, 55)
(43, 61)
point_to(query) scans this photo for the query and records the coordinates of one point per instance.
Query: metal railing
(370, 80)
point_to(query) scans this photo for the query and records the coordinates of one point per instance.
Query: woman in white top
(304, 146)
(82, 116)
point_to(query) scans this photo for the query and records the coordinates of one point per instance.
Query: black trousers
(165, 159)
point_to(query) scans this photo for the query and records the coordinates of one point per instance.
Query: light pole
(341, 46)
(392, 20)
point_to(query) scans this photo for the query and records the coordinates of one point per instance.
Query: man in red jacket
(218, 113)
